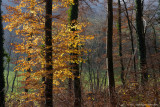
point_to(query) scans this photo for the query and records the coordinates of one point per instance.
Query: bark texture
(110, 55)
(48, 55)
(141, 41)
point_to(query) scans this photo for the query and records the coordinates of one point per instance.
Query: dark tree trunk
(70, 87)
(73, 16)
(14, 81)
(110, 55)
(141, 42)
(28, 71)
(2, 81)
(120, 42)
(48, 55)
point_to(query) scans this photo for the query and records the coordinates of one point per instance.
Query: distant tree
(141, 41)
(131, 36)
(15, 76)
(159, 12)
(110, 55)
(2, 81)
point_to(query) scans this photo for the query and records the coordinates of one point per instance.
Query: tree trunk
(8, 71)
(48, 55)
(94, 79)
(109, 58)
(70, 87)
(15, 76)
(12, 89)
(2, 81)
(155, 87)
(141, 42)
(28, 70)
(120, 42)
(73, 16)
(132, 41)
(90, 74)
(155, 45)
(97, 85)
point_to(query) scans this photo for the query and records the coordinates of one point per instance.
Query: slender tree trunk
(94, 79)
(8, 71)
(120, 42)
(73, 16)
(132, 41)
(48, 55)
(90, 74)
(70, 87)
(8, 56)
(155, 87)
(12, 89)
(2, 81)
(141, 42)
(110, 55)
(15, 76)
(97, 85)
(28, 70)
(105, 82)
(154, 73)
(155, 45)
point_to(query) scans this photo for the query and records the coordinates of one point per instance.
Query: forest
(79, 53)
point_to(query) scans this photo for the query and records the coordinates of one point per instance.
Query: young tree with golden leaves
(73, 16)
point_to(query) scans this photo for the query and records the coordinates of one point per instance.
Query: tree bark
(120, 42)
(73, 16)
(48, 55)
(109, 58)
(2, 81)
(141, 42)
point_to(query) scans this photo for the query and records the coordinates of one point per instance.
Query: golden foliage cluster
(27, 21)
